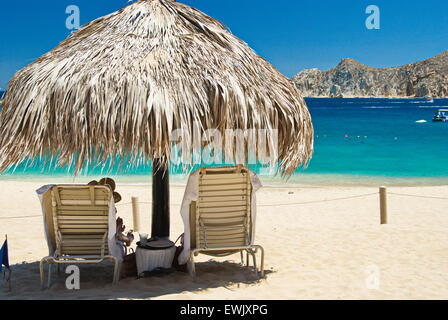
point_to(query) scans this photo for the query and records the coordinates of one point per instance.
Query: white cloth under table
(191, 195)
(148, 260)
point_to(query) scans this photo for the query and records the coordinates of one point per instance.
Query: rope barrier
(123, 204)
(282, 204)
(140, 202)
(20, 217)
(417, 196)
(317, 201)
(276, 204)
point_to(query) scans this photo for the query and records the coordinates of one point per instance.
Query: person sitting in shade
(122, 240)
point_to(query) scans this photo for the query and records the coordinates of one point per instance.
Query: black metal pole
(160, 200)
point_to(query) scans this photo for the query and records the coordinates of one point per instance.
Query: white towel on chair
(191, 194)
(115, 249)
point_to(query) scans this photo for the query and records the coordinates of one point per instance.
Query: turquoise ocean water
(357, 141)
(374, 140)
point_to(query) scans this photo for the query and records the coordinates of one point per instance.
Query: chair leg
(261, 261)
(120, 264)
(242, 258)
(117, 267)
(42, 273)
(247, 259)
(192, 268)
(49, 276)
(254, 257)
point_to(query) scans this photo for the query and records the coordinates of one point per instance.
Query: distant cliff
(353, 79)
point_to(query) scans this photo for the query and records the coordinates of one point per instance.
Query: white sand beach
(314, 249)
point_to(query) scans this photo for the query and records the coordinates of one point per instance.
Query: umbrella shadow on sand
(96, 282)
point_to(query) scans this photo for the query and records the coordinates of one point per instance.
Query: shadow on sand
(96, 282)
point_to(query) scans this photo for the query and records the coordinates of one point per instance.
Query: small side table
(149, 259)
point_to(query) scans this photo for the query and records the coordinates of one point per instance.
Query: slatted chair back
(80, 216)
(222, 214)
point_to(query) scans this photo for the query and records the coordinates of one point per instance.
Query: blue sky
(291, 34)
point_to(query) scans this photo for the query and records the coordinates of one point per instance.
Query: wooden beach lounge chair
(79, 227)
(221, 223)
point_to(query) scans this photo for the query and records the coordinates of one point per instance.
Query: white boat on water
(429, 99)
(441, 116)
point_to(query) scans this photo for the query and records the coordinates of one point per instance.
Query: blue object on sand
(4, 260)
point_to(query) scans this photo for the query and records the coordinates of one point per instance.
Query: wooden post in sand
(383, 205)
(135, 214)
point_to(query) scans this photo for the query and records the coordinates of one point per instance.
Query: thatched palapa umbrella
(119, 85)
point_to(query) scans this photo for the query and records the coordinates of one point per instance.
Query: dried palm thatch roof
(121, 83)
